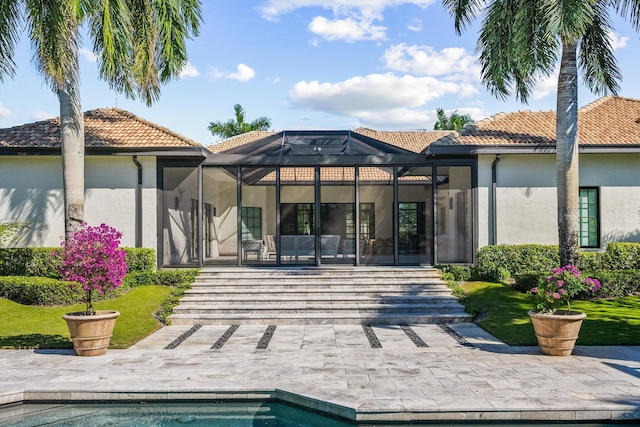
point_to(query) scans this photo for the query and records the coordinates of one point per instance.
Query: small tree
(453, 121)
(91, 256)
(238, 126)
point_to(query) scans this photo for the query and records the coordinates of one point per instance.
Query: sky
(312, 64)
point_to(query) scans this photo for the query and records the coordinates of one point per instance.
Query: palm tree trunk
(72, 141)
(567, 155)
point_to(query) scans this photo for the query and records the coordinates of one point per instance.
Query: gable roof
(104, 128)
(607, 121)
(414, 141)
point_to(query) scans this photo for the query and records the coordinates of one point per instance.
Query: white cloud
(415, 25)
(546, 85)
(39, 115)
(454, 62)
(4, 112)
(349, 29)
(243, 73)
(189, 70)
(88, 55)
(384, 100)
(350, 20)
(617, 41)
(272, 9)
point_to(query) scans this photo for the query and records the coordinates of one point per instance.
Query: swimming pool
(255, 414)
(188, 413)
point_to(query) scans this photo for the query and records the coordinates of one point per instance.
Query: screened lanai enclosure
(313, 198)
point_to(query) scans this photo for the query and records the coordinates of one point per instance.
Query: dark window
(589, 218)
(251, 223)
(411, 222)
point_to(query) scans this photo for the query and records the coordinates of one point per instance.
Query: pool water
(255, 414)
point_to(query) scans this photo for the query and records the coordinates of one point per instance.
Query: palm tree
(453, 121)
(140, 45)
(520, 41)
(238, 126)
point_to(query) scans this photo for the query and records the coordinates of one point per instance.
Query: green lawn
(26, 326)
(608, 322)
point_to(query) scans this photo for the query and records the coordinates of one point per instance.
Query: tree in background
(453, 121)
(238, 126)
(520, 41)
(140, 44)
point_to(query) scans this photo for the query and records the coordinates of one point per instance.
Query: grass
(608, 322)
(26, 326)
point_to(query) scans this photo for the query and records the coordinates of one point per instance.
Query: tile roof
(239, 140)
(367, 175)
(416, 141)
(104, 128)
(609, 120)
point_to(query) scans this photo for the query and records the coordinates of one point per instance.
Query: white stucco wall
(527, 204)
(31, 190)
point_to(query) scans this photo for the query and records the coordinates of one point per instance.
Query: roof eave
(528, 149)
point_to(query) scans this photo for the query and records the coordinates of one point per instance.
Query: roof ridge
(163, 129)
(596, 103)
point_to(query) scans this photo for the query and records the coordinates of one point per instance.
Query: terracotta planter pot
(91, 334)
(557, 333)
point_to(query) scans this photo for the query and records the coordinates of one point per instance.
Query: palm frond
(10, 23)
(596, 59)
(53, 27)
(463, 12)
(628, 9)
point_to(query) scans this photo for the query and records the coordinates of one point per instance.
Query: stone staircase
(329, 295)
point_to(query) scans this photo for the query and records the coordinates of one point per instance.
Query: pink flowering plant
(563, 284)
(91, 256)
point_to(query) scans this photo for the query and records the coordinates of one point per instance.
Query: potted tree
(557, 330)
(92, 257)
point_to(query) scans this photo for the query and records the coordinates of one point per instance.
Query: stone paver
(463, 373)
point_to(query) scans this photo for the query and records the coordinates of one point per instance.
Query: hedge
(39, 261)
(502, 262)
(615, 284)
(160, 277)
(40, 290)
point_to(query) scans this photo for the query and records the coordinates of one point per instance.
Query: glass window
(251, 223)
(588, 213)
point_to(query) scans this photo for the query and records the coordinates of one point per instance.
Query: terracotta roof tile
(239, 140)
(104, 128)
(609, 120)
(416, 141)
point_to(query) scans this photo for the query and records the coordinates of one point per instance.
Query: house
(356, 197)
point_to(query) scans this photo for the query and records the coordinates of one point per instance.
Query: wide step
(383, 295)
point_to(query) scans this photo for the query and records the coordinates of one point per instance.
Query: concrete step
(240, 299)
(386, 295)
(316, 307)
(321, 319)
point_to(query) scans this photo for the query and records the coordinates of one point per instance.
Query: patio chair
(269, 246)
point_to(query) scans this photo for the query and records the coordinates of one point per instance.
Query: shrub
(166, 308)
(140, 259)
(498, 263)
(622, 256)
(40, 262)
(524, 282)
(39, 290)
(175, 277)
(590, 261)
(617, 284)
(459, 273)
